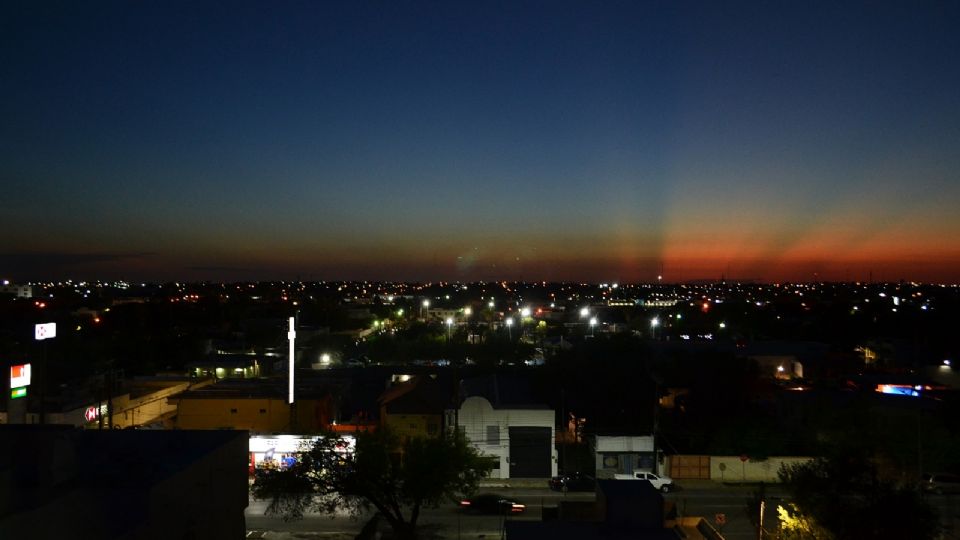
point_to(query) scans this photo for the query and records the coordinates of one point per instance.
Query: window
(493, 434)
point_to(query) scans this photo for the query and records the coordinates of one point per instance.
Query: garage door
(530, 452)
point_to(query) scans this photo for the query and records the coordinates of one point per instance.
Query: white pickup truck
(663, 483)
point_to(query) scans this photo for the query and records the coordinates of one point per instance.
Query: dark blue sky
(480, 141)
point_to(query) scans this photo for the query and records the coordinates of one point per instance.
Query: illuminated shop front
(281, 451)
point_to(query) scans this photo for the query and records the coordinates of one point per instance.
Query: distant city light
(584, 312)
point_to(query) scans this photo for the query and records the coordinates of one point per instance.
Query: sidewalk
(515, 483)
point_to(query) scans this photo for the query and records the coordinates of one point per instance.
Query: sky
(424, 141)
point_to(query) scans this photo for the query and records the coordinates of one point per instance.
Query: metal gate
(530, 452)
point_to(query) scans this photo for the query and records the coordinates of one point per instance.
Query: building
(20, 291)
(63, 482)
(227, 366)
(253, 405)
(623, 455)
(413, 408)
(501, 420)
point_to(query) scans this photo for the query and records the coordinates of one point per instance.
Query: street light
(424, 305)
(509, 323)
(467, 311)
(723, 325)
(654, 323)
(584, 312)
(525, 312)
(593, 323)
(449, 324)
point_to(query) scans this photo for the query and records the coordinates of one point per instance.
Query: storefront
(281, 451)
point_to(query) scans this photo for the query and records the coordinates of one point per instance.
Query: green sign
(18, 392)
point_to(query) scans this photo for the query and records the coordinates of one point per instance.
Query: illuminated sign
(90, 414)
(20, 375)
(18, 393)
(45, 331)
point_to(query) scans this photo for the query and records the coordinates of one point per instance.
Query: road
(448, 522)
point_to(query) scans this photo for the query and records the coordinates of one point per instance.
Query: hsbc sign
(45, 331)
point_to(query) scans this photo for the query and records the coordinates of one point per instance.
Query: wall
(258, 415)
(732, 469)
(413, 425)
(476, 414)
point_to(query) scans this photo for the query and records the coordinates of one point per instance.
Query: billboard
(19, 375)
(45, 331)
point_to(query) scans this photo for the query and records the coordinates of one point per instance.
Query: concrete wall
(476, 414)
(733, 469)
(413, 425)
(258, 415)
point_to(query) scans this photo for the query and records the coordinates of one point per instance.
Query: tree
(849, 498)
(396, 478)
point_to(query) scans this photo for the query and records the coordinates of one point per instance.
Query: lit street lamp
(654, 323)
(509, 323)
(584, 312)
(593, 323)
(424, 305)
(449, 324)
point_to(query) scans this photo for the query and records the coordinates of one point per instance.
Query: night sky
(594, 141)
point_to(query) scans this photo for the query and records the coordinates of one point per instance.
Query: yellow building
(413, 408)
(258, 408)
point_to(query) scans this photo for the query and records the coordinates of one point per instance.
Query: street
(449, 522)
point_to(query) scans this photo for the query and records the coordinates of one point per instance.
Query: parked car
(940, 483)
(573, 482)
(491, 503)
(663, 483)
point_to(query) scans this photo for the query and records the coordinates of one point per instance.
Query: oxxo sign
(19, 375)
(91, 414)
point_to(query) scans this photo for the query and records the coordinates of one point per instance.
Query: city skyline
(426, 142)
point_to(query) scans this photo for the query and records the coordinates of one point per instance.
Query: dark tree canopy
(849, 499)
(395, 477)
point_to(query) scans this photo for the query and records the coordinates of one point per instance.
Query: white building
(623, 455)
(20, 291)
(519, 439)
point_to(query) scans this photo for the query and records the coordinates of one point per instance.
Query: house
(413, 408)
(500, 418)
(623, 454)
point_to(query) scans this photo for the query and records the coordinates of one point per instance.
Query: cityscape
(464, 271)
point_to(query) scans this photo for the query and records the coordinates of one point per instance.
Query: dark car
(573, 482)
(491, 503)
